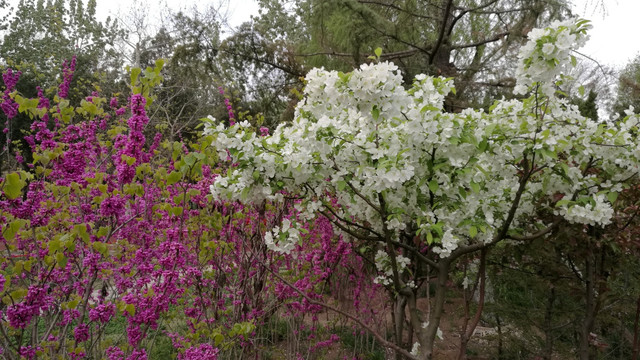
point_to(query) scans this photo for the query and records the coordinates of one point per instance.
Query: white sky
(615, 37)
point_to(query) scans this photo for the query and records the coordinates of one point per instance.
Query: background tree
(41, 36)
(472, 41)
(628, 93)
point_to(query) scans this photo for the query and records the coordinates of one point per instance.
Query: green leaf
(131, 309)
(473, 231)
(128, 159)
(73, 304)
(135, 73)
(488, 131)
(189, 159)
(433, 186)
(11, 230)
(61, 260)
(103, 231)
(378, 52)
(548, 153)
(81, 231)
(174, 177)
(100, 248)
(218, 338)
(177, 210)
(89, 107)
(245, 193)
(13, 185)
(159, 65)
(612, 197)
(54, 245)
(483, 145)
(375, 112)
(342, 185)
(18, 294)
(429, 108)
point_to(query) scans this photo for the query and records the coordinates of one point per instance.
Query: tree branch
(482, 42)
(346, 229)
(443, 30)
(466, 11)
(537, 234)
(396, 7)
(378, 337)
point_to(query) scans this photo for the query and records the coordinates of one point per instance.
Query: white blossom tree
(423, 187)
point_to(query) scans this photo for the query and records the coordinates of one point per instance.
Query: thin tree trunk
(548, 317)
(500, 349)
(469, 328)
(428, 340)
(399, 319)
(587, 323)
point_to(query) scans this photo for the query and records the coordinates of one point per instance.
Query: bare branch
(396, 7)
(482, 42)
(537, 234)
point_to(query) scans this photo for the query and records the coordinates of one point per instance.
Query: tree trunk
(587, 323)
(468, 328)
(399, 318)
(429, 338)
(548, 317)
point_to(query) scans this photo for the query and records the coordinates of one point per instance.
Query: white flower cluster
(284, 239)
(361, 137)
(449, 243)
(596, 212)
(383, 264)
(547, 54)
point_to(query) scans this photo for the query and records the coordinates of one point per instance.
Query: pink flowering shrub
(112, 225)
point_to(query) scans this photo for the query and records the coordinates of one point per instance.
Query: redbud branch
(378, 337)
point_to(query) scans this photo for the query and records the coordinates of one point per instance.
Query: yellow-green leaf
(174, 177)
(13, 185)
(131, 309)
(9, 232)
(473, 231)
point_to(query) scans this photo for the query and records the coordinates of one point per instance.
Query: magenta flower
(81, 332)
(102, 313)
(10, 79)
(115, 353)
(138, 354)
(67, 75)
(200, 352)
(112, 206)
